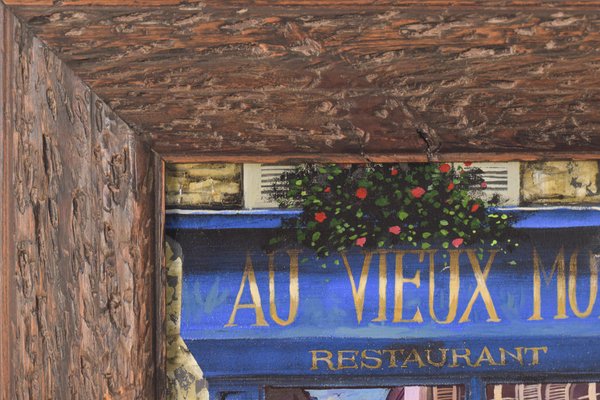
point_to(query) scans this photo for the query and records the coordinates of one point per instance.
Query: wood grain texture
(6, 211)
(160, 280)
(342, 77)
(82, 239)
(129, 3)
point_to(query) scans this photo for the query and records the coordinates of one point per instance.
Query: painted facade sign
(393, 311)
(416, 283)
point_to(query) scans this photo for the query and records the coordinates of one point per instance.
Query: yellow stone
(560, 182)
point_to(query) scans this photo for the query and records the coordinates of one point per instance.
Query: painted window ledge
(529, 218)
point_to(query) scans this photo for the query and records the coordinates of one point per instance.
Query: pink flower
(474, 207)
(320, 217)
(445, 168)
(450, 186)
(418, 192)
(394, 229)
(361, 193)
(483, 185)
(327, 189)
(361, 241)
(457, 242)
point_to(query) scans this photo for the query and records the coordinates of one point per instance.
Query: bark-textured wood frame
(153, 208)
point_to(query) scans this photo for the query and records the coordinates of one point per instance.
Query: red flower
(418, 192)
(327, 189)
(320, 217)
(457, 242)
(468, 163)
(450, 186)
(445, 168)
(475, 207)
(394, 172)
(361, 193)
(361, 241)
(394, 229)
(483, 185)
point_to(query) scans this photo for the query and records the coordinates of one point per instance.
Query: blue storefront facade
(460, 316)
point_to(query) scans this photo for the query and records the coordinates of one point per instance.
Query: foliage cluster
(387, 205)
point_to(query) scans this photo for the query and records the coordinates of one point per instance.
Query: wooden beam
(333, 76)
(498, 4)
(78, 244)
(102, 3)
(372, 157)
(160, 279)
(7, 254)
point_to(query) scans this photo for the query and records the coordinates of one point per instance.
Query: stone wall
(560, 182)
(204, 185)
(184, 377)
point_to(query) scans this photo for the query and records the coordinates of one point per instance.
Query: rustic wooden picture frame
(54, 105)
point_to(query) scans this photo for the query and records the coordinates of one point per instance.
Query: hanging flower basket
(387, 205)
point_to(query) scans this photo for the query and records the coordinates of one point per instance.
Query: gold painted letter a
(255, 295)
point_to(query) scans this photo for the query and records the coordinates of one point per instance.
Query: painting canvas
(383, 281)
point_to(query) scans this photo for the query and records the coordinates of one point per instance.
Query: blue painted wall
(327, 319)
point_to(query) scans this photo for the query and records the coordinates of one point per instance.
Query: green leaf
(426, 235)
(444, 222)
(316, 236)
(402, 215)
(382, 202)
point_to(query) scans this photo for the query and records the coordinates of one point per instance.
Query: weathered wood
(81, 246)
(6, 211)
(294, 158)
(160, 280)
(257, 77)
(132, 3)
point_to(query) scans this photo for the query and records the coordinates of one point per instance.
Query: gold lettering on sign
(294, 289)
(573, 285)
(413, 356)
(443, 357)
(326, 359)
(482, 289)
(535, 358)
(517, 355)
(394, 354)
(359, 293)
(254, 293)
(454, 287)
(347, 355)
(381, 315)
(422, 358)
(561, 286)
(485, 356)
(466, 356)
(365, 357)
(399, 283)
